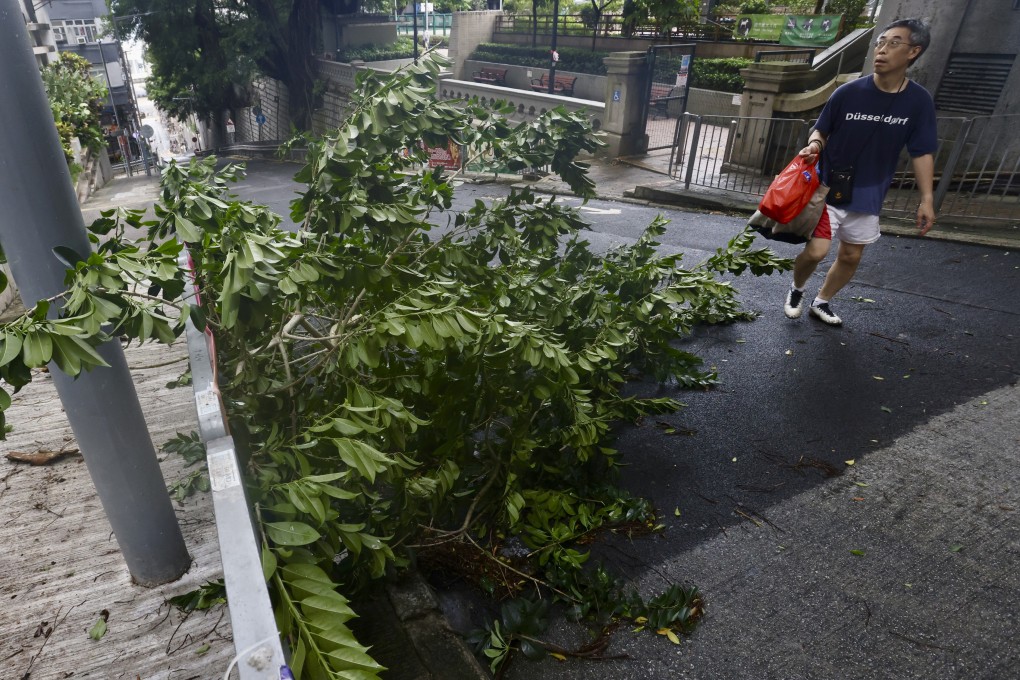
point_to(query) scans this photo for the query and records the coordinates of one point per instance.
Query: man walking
(859, 136)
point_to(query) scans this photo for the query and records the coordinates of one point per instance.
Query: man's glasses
(891, 44)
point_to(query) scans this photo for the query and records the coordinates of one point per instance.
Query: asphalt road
(927, 354)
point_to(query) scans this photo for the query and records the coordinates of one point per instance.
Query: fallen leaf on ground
(97, 631)
(858, 498)
(670, 635)
(887, 409)
(956, 548)
(39, 457)
(851, 461)
(859, 553)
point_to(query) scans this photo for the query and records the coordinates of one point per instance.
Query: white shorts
(852, 227)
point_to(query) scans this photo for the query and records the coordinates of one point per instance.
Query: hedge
(710, 74)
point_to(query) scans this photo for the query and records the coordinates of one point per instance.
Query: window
(75, 31)
(98, 74)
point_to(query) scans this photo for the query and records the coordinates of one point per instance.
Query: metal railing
(794, 56)
(436, 24)
(259, 653)
(668, 90)
(608, 25)
(734, 153)
(977, 164)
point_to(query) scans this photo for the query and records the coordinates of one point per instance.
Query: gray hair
(920, 35)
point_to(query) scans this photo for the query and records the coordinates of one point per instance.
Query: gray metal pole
(40, 211)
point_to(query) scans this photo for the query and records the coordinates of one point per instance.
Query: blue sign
(616, 95)
(260, 120)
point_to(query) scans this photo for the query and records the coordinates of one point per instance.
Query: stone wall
(527, 104)
(587, 86)
(272, 96)
(712, 103)
(469, 30)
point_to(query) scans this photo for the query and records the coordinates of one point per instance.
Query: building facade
(43, 45)
(971, 67)
(82, 27)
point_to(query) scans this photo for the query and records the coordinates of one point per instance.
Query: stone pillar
(626, 91)
(749, 143)
(468, 31)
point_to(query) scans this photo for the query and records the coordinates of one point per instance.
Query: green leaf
(956, 548)
(299, 570)
(859, 553)
(333, 604)
(291, 533)
(38, 349)
(11, 348)
(268, 563)
(366, 460)
(345, 658)
(186, 230)
(98, 629)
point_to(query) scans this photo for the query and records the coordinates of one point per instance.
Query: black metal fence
(607, 25)
(977, 164)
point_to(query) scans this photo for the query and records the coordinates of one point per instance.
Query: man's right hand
(809, 153)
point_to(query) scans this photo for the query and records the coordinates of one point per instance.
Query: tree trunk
(534, 23)
(302, 40)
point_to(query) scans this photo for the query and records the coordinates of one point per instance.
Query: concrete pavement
(930, 500)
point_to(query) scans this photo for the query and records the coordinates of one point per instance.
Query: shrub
(719, 74)
(403, 48)
(401, 388)
(571, 59)
(76, 101)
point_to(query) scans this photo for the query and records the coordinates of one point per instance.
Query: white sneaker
(793, 306)
(823, 313)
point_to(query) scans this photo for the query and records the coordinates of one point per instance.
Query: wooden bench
(665, 99)
(564, 85)
(492, 76)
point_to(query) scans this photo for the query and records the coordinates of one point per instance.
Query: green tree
(204, 53)
(408, 377)
(669, 14)
(76, 100)
(851, 11)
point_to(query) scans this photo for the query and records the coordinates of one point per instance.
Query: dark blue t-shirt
(867, 128)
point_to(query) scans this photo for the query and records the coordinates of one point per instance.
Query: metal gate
(977, 170)
(669, 68)
(734, 153)
(977, 164)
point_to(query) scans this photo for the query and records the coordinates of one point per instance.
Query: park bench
(492, 76)
(564, 85)
(662, 99)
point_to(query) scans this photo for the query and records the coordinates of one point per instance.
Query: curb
(442, 651)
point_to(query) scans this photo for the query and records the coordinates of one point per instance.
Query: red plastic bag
(790, 191)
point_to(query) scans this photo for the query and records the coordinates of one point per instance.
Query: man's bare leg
(803, 266)
(848, 257)
(807, 261)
